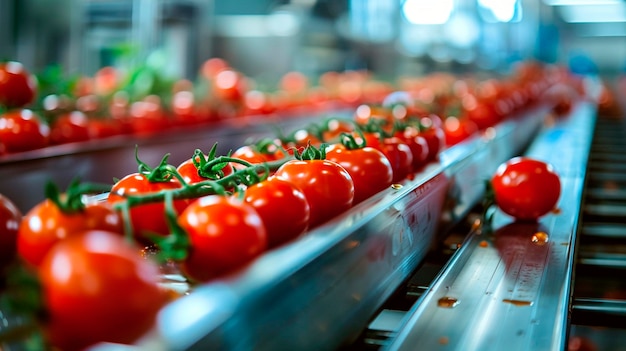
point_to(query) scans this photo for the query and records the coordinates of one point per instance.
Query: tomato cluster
(213, 215)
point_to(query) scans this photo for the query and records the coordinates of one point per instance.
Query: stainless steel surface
(320, 292)
(511, 293)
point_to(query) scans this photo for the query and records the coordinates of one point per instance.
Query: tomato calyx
(206, 168)
(311, 153)
(72, 201)
(350, 142)
(159, 174)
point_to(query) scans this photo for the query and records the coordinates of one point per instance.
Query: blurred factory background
(266, 38)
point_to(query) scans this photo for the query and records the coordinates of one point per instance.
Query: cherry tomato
(70, 127)
(98, 274)
(17, 86)
(147, 116)
(258, 153)
(10, 218)
(526, 188)
(328, 187)
(397, 152)
(458, 129)
(432, 130)
(22, 130)
(283, 208)
(189, 171)
(225, 234)
(45, 225)
(369, 168)
(418, 145)
(149, 217)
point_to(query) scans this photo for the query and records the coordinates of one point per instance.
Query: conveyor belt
(599, 294)
(501, 290)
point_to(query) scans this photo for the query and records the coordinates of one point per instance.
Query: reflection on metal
(321, 291)
(515, 293)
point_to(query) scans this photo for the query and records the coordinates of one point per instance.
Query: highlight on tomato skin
(97, 288)
(526, 188)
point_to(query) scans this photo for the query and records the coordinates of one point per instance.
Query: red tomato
(328, 187)
(458, 129)
(369, 168)
(526, 188)
(70, 127)
(17, 87)
(257, 154)
(149, 217)
(225, 234)
(45, 225)
(104, 127)
(191, 175)
(432, 130)
(147, 117)
(229, 85)
(397, 152)
(10, 218)
(99, 275)
(22, 130)
(418, 145)
(283, 208)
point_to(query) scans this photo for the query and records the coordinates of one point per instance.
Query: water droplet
(396, 186)
(518, 302)
(540, 238)
(447, 302)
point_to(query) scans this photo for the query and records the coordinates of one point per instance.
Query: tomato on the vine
(10, 218)
(192, 172)
(369, 168)
(225, 234)
(283, 208)
(526, 188)
(99, 275)
(328, 187)
(17, 86)
(147, 217)
(22, 130)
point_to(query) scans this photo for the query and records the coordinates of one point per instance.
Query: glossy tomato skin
(418, 145)
(526, 188)
(10, 218)
(225, 234)
(369, 168)
(98, 275)
(45, 225)
(399, 155)
(22, 130)
(17, 86)
(458, 129)
(283, 208)
(149, 217)
(69, 128)
(327, 186)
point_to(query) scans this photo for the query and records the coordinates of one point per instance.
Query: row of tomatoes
(209, 216)
(108, 103)
(112, 102)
